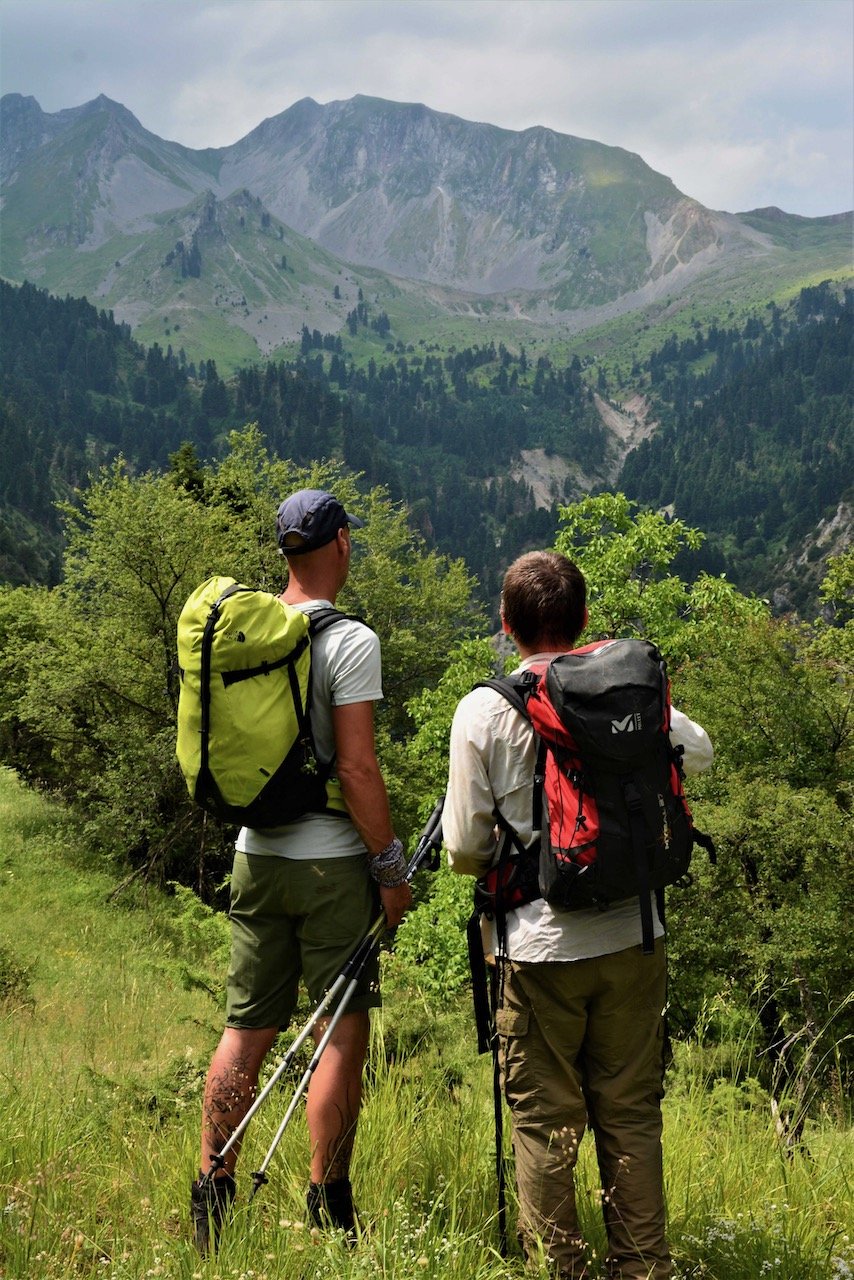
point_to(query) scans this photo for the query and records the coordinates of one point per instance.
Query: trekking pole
(429, 846)
(498, 1118)
(356, 961)
(259, 1177)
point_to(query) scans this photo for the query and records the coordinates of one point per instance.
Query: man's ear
(504, 627)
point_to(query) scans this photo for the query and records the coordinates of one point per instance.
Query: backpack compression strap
(289, 661)
(320, 620)
(205, 678)
(637, 826)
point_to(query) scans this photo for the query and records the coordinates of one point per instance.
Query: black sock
(331, 1203)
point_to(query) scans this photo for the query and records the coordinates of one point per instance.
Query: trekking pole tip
(258, 1180)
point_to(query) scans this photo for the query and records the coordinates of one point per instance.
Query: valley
(481, 320)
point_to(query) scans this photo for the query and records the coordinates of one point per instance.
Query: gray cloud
(741, 102)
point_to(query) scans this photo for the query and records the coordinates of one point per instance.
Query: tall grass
(107, 1022)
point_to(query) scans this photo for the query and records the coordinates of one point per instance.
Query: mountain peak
(19, 101)
(15, 107)
(109, 105)
(540, 222)
(771, 212)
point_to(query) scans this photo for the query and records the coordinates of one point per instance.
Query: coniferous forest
(757, 438)
(754, 443)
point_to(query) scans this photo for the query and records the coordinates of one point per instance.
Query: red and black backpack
(608, 797)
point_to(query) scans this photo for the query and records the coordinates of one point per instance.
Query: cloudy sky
(742, 103)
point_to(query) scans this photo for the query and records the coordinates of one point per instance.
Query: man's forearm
(367, 803)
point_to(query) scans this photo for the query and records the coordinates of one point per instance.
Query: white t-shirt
(346, 667)
(492, 761)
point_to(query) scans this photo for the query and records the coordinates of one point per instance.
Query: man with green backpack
(306, 891)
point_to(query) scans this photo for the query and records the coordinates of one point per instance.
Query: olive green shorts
(292, 918)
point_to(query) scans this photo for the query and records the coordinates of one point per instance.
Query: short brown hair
(544, 599)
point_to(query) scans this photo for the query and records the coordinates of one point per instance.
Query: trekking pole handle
(429, 842)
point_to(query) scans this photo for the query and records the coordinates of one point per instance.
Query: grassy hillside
(620, 342)
(106, 1028)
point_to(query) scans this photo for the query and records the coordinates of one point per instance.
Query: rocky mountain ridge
(532, 225)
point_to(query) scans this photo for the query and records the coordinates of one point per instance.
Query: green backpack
(245, 745)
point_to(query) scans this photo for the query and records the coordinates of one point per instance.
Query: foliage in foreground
(767, 926)
(100, 1086)
(89, 668)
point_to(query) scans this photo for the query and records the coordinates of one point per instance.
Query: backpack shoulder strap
(231, 591)
(516, 688)
(320, 619)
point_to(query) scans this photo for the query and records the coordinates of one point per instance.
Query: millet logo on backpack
(629, 725)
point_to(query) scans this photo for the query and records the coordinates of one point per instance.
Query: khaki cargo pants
(581, 1044)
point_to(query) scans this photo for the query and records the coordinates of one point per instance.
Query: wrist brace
(389, 867)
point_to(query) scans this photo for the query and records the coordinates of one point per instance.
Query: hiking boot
(330, 1204)
(210, 1202)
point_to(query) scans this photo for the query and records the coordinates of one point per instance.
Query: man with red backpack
(579, 1005)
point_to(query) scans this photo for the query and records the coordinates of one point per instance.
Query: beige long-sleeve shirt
(492, 757)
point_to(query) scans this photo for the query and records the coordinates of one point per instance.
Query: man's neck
(542, 645)
(302, 593)
(297, 594)
(320, 574)
(540, 649)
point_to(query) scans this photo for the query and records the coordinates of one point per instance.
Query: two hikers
(580, 1012)
(303, 895)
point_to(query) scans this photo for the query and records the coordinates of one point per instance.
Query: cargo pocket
(512, 1024)
(512, 1027)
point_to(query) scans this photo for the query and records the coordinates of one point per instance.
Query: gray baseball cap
(313, 515)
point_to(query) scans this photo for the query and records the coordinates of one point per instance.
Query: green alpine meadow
(110, 1005)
